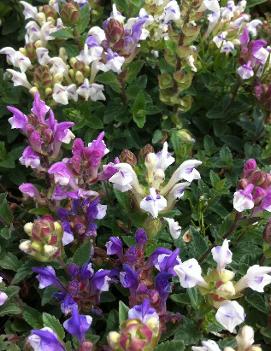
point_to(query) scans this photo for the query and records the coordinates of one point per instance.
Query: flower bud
(243, 183)
(49, 11)
(225, 275)
(63, 54)
(28, 228)
(36, 246)
(33, 90)
(86, 346)
(165, 81)
(41, 18)
(50, 250)
(38, 44)
(183, 79)
(113, 339)
(23, 51)
(267, 233)
(258, 178)
(114, 30)
(249, 167)
(48, 91)
(58, 78)
(70, 13)
(145, 151)
(255, 348)
(3, 298)
(25, 246)
(79, 77)
(245, 337)
(73, 61)
(228, 348)
(128, 156)
(226, 290)
(185, 136)
(51, 20)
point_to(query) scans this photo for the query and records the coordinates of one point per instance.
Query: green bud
(165, 81)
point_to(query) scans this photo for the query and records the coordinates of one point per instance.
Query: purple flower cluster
(253, 56)
(254, 189)
(140, 276)
(84, 285)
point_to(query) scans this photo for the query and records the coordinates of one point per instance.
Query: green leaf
(6, 215)
(123, 312)
(83, 19)
(33, 317)
(258, 302)
(23, 271)
(52, 322)
(82, 254)
(177, 345)
(64, 34)
(194, 297)
(138, 109)
(10, 262)
(252, 3)
(110, 79)
(9, 308)
(133, 69)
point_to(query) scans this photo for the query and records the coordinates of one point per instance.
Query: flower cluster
(219, 287)
(46, 239)
(140, 276)
(227, 23)
(244, 340)
(254, 190)
(156, 198)
(139, 332)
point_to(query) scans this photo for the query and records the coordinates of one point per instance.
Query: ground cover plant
(135, 191)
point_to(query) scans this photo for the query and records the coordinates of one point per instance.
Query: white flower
(16, 58)
(114, 62)
(172, 11)
(29, 10)
(219, 39)
(116, 14)
(19, 79)
(101, 211)
(230, 314)
(189, 273)
(3, 298)
(208, 345)
(256, 278)
(67, 238)
(125, 178)
(93, 91)
(174, 228)
(88, 55)
(243, 199)
(222, 255)
(211, 5)
(58, 66)
(164, 158)
(43, 56)
(60, 94)
(227, 47)
(98, 33)
(153, 203)
(253, 25)
(72, 92)
(185, 171)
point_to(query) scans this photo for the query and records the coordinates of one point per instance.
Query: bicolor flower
(19, 78)
(153, 203)
(256, 278)
(222, 255)
(61, 173)
(18, 120)
(143, 312)
(45, 339)
(125, 178)
(29, 10)
(3, 298)
(78, 324)
(190, 274)
(230, 314)
(243, 199)
(46, 276)
(30, 158)
(29, 190)
(114, 246)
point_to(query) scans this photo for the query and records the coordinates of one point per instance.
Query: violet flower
(78, 324)
(45, 339)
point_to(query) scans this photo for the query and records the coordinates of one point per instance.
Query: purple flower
(78, 324)
(249, 166)
(101, 280)
(243, 199)
(36, 141)
(165, 260)
(114, 246)
(39, 108)
(141, 237)
(18, 120)
(62, 173)
(143, 312)
(128, 277)
(29, 190)
(63, 133)
(45, 339)
(163, 285)
(46, 276)
(30, 158)
(96, 150)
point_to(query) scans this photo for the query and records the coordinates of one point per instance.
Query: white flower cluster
(244, 341)
(229, 313)
(157, 198)
(226, 23)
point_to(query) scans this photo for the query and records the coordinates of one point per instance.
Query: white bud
(25, 246)
(245, 337)
(50, 250)
(28, 228)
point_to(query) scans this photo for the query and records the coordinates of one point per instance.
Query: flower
(143, 312)
(18, 120)
(114, 246)
(189, 274)
(256, 278)
(141, 237)
(29, 190)
(208, 345)
(19, 79)
(78, 324)
(46, 276)
(125, 178)
(153, 203)
(61, 173)
(222, 255)
(45, 339)
(3, 298)
(30, 158)
(174, 228)
(230, 314)
(243, 199)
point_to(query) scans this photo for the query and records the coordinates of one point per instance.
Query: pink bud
(249, 166)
